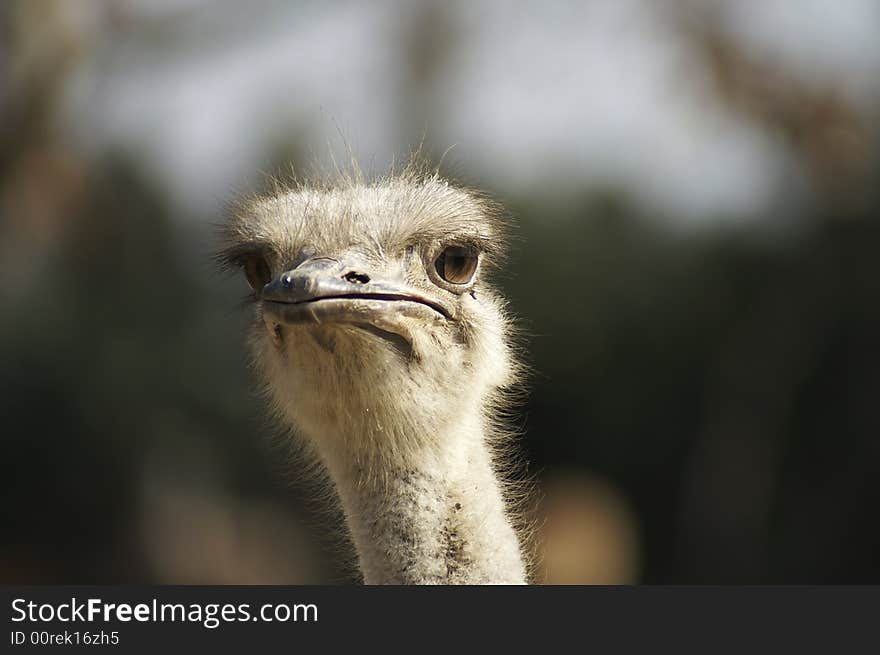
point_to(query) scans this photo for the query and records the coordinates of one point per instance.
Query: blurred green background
(696, 267)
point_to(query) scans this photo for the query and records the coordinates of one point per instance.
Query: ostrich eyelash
(234, 258)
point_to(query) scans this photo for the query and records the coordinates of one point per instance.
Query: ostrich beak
(325, 290)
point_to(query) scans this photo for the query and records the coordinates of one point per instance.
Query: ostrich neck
(434, 517)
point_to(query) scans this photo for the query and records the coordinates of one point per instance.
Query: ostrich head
(377, 334)
(375, 318)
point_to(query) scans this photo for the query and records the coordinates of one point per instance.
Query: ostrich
(384, 348)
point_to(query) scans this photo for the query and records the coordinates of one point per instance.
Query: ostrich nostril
(356, 278)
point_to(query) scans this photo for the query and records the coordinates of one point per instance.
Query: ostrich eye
(257, 271)
(456, 264)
